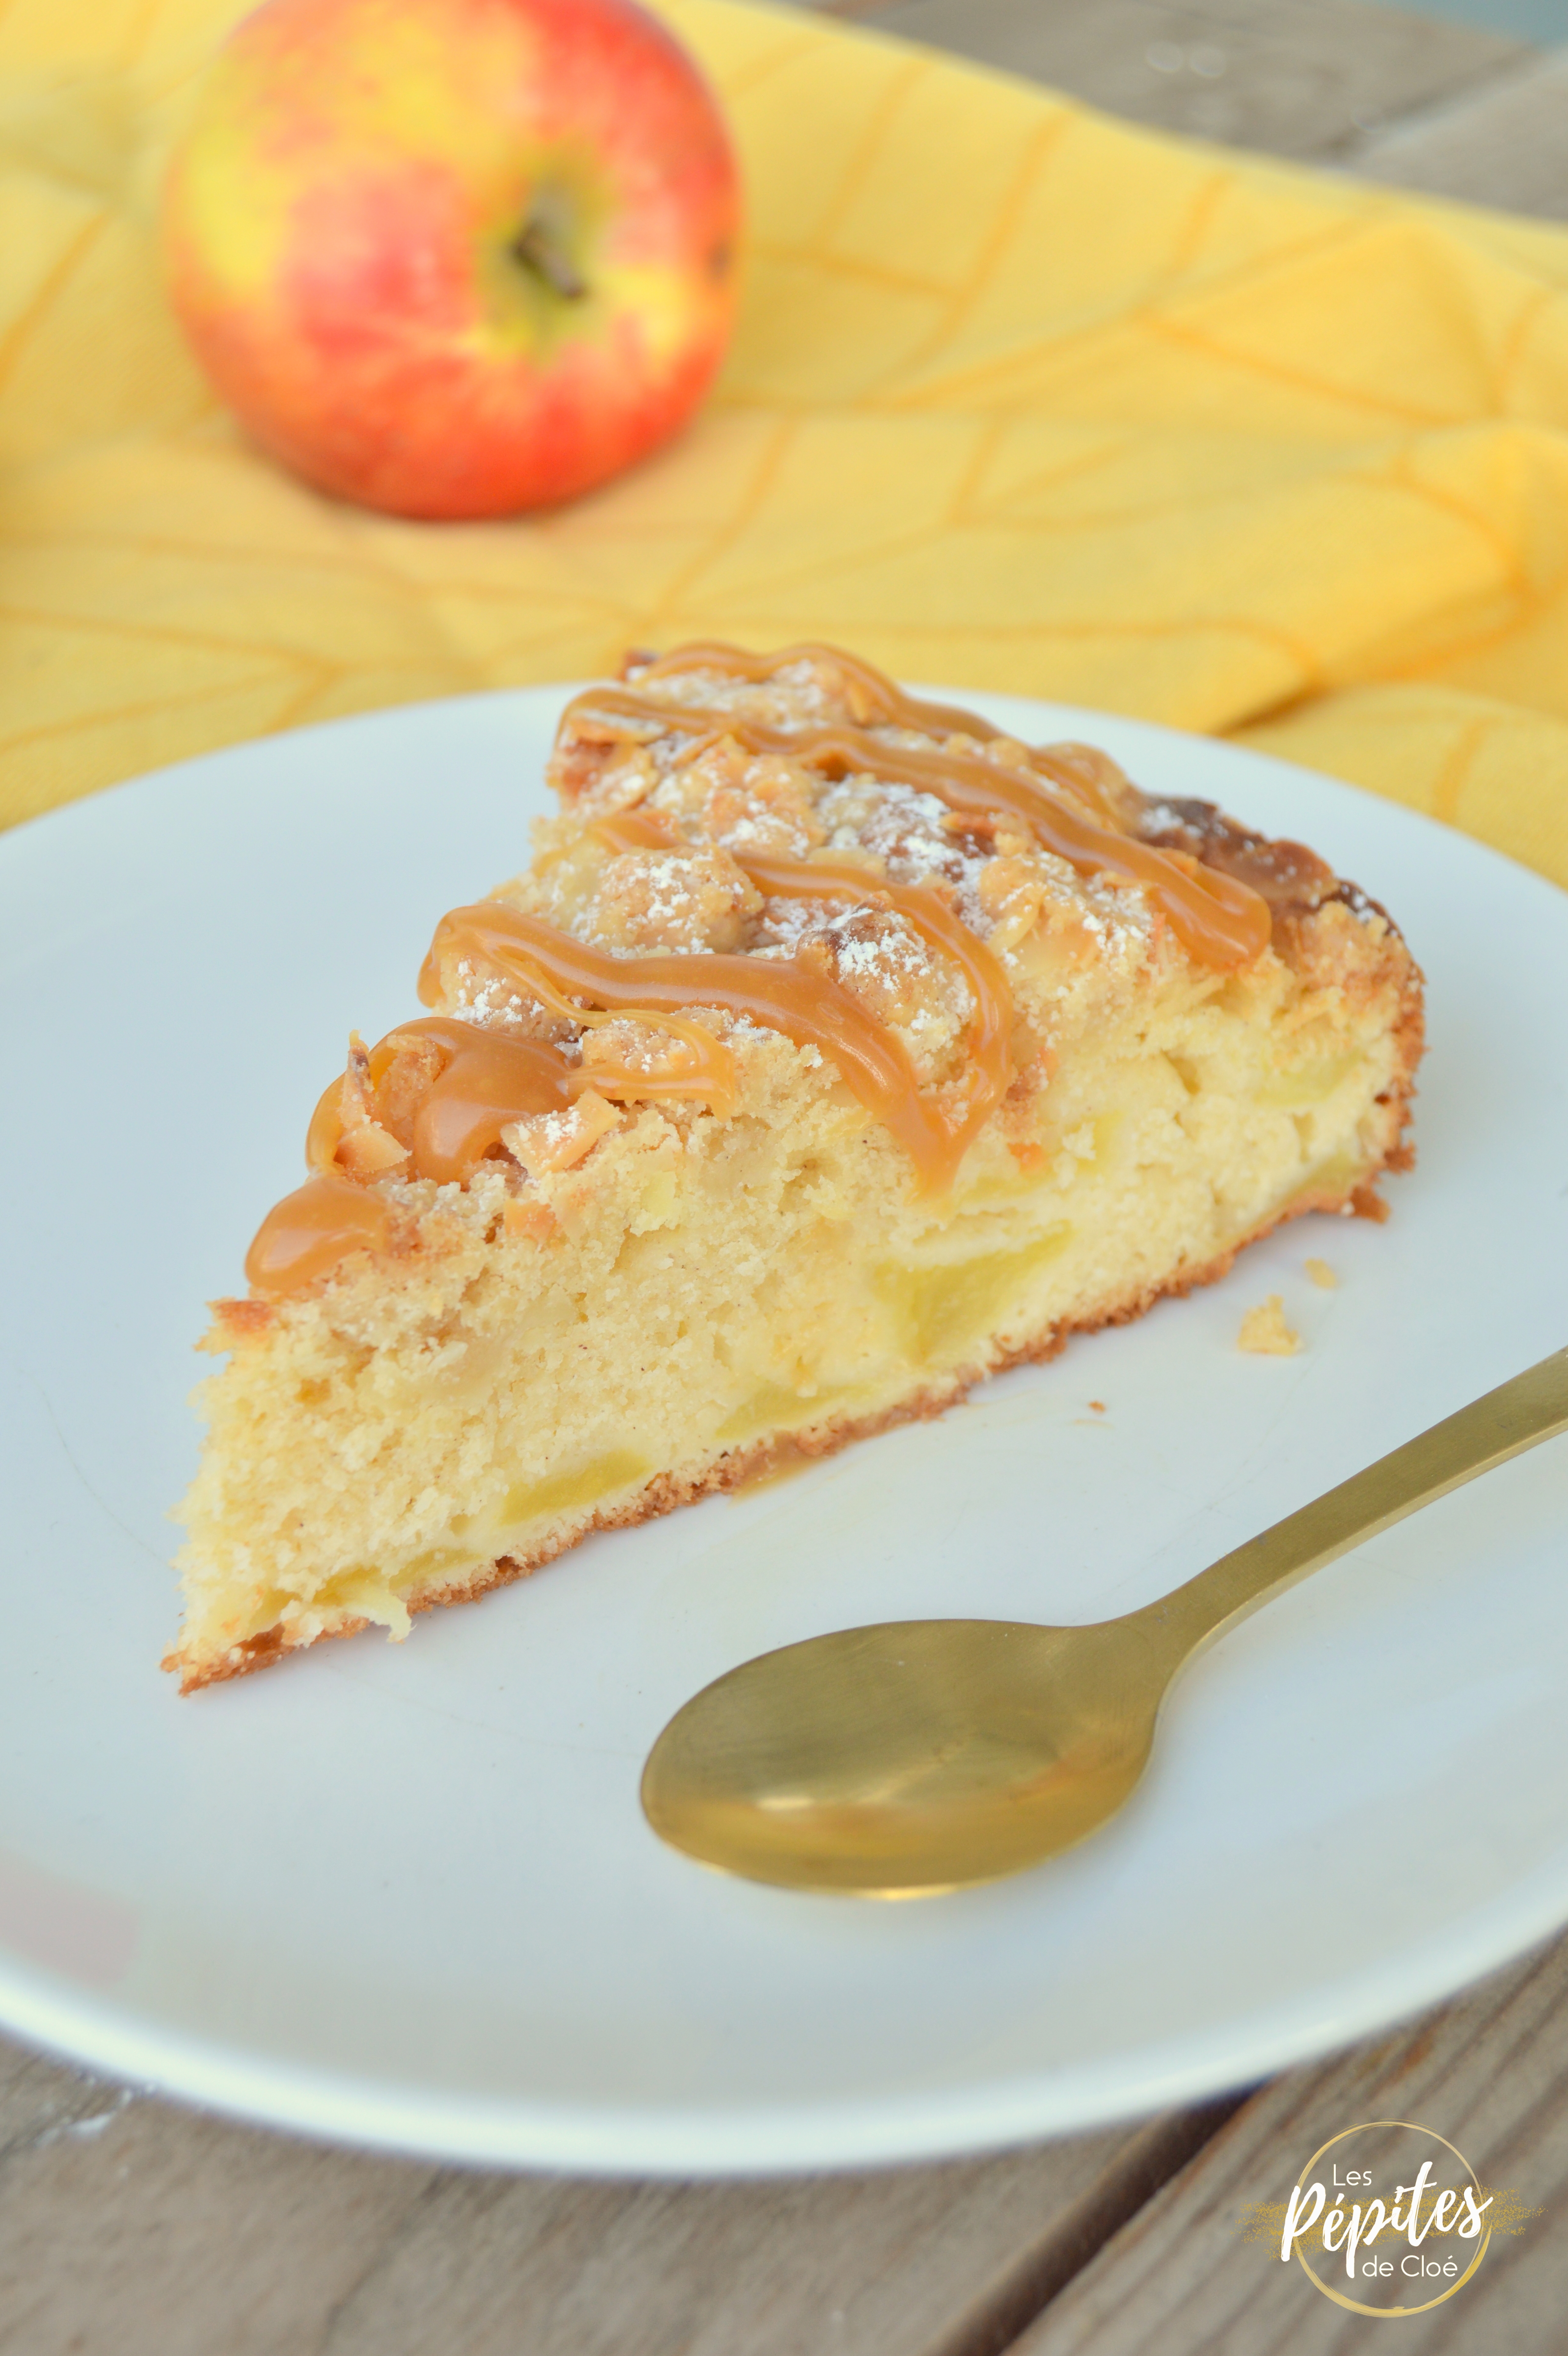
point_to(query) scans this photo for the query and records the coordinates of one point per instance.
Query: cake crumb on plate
(1322, 1274)
(1265, 1331)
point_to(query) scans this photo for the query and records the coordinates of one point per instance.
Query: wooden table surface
(130, 2226)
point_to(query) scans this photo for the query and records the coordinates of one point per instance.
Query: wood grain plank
(137, 2228)
(42, 2100)
(159, 2233)
(1488, 2071)
(915, 2262)
(1298, 77)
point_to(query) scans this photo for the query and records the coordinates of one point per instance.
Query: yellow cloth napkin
(1020, 399)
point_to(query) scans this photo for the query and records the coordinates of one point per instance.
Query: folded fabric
(1021, 398)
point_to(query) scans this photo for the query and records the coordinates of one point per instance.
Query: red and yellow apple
(454, 258)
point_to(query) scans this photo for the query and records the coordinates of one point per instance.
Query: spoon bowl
(914, 1756)
(918, 1756)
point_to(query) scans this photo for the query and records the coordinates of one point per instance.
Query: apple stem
(538, 250)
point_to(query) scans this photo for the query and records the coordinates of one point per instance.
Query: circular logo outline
(1359, 2307)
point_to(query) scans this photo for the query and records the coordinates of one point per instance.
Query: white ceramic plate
(404, 1895)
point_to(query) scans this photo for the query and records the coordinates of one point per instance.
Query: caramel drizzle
(469, 1085)
(777, 994)
(486, 1079)
(874, 697)
(1218, 920)
(991, 1030)
(481, 1080)
(306, 1234)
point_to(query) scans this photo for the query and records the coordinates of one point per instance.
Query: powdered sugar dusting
(1057, 933)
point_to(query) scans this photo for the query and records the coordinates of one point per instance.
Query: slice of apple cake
(835, 1050)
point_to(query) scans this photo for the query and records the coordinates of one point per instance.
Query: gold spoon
(922, 1755)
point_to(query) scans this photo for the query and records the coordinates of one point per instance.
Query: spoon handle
(1529, 1408)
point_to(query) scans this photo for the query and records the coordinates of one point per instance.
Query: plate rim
(707, 2146)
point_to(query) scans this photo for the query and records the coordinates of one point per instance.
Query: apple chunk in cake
(834, 1051)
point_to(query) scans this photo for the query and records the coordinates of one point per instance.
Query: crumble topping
(1069, 936)
(799, 696)
(1069, 943)
(492, 1004)
(673, 901)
